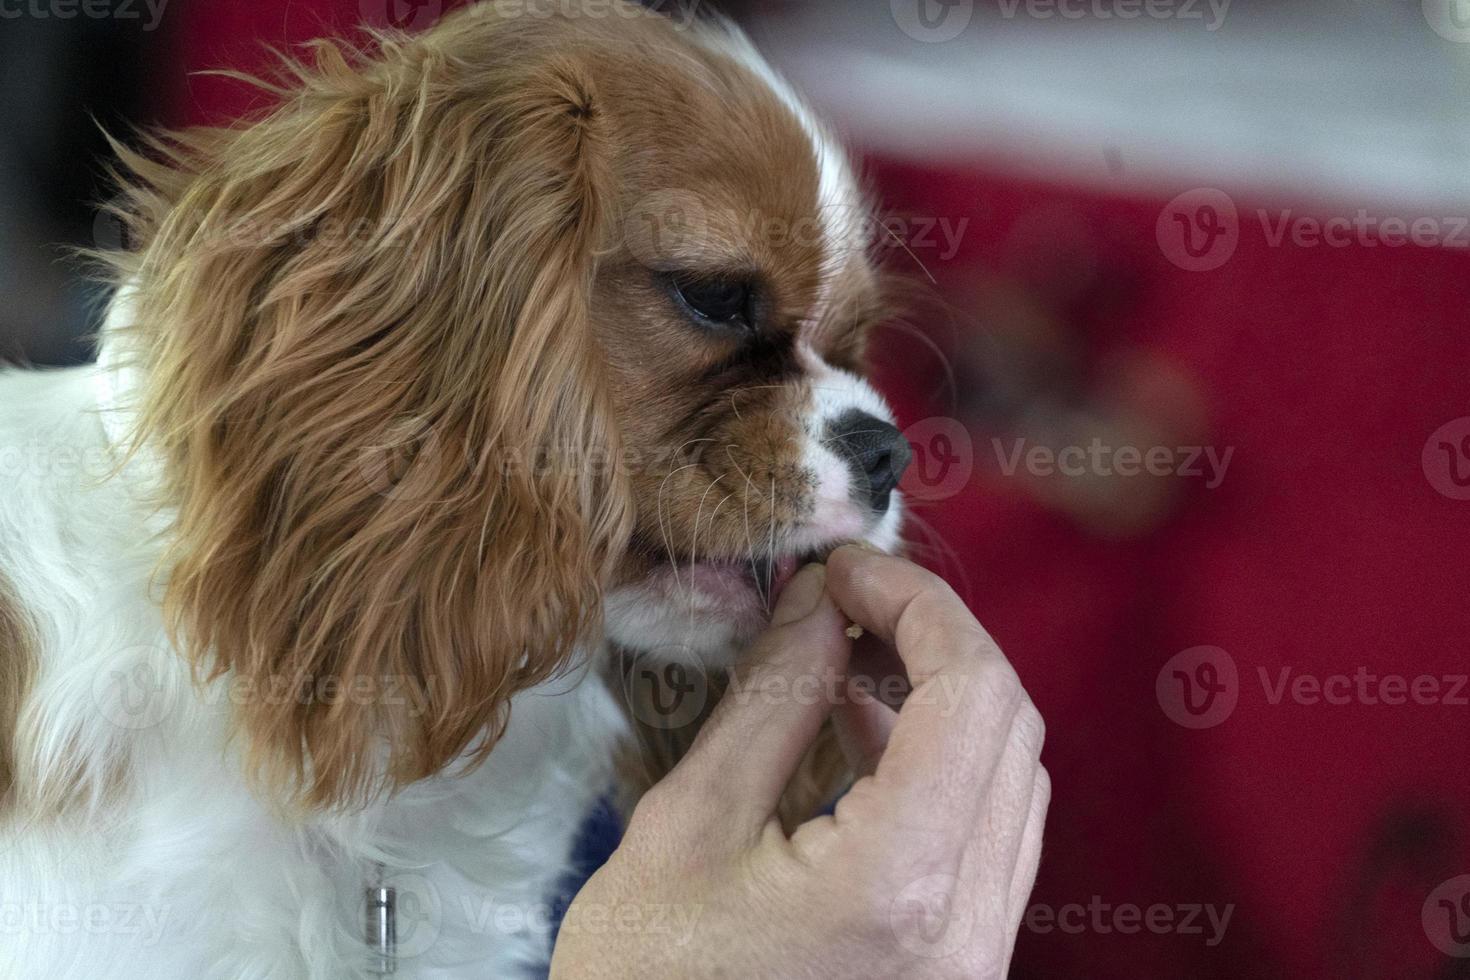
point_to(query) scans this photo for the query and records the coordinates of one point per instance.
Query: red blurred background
(1253, 674)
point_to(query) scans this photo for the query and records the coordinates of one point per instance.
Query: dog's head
(486, 344)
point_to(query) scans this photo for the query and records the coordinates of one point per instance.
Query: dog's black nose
(877, 452)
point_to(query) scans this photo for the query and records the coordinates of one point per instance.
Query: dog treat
(855, 631)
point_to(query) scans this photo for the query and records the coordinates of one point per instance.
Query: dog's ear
(363, 321)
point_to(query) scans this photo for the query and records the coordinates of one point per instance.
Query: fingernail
(801, 595)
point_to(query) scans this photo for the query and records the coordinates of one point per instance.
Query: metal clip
(382, 927)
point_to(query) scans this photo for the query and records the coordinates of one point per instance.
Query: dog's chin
(706, 613)
(701, 613)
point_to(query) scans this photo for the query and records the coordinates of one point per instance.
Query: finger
(1023, 877)
(1000, 854)
(769, 716)
(909, 607)
(980, 921)
(864, 717)
(863, 725)
(952, 731)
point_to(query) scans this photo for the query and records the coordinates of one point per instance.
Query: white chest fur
(167, 866)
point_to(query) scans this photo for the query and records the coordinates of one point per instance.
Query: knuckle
(1041, 796)
(936, 600)
(998, 686)
(1030, 728)
(657, 814)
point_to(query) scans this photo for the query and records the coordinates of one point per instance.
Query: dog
(486, 367)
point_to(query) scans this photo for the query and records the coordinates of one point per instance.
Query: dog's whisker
(659, 512)
(771, 548)
(694, 540)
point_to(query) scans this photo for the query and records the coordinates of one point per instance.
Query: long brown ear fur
(363, 320)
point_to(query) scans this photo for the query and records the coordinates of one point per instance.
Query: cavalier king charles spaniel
(484, 369)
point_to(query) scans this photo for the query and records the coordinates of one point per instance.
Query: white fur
(189, 875)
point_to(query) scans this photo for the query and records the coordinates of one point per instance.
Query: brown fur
(17, 672)
(394, 330)
(653, 751)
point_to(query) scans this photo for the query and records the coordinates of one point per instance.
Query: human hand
(925, 867)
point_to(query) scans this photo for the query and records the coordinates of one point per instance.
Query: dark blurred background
(1187, 372)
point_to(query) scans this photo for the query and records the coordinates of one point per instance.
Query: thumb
(800, 597)
(775, 705)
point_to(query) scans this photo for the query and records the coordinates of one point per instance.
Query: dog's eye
(718, 300)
